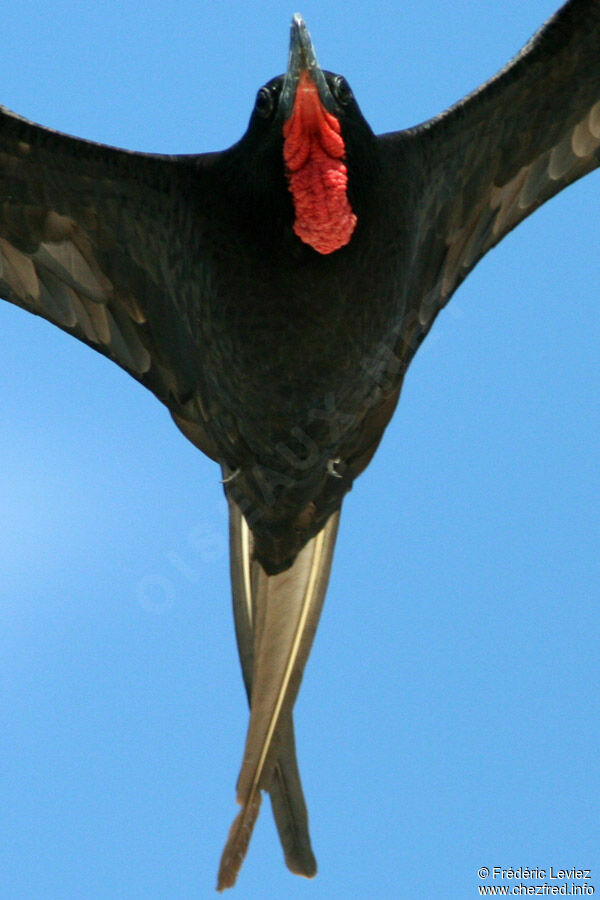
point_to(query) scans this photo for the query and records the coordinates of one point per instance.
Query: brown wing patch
(504, 206)
(63, 283)
(93, 239)
(19, 272)
(493, 158)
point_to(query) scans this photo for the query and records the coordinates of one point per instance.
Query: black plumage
(169, 265)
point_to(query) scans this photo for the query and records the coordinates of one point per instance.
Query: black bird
(272, 297)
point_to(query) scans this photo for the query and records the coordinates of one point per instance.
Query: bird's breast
(289, 358)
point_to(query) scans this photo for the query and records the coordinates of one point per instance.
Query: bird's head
(311, 117)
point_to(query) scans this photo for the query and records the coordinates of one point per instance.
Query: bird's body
(279, 408)
(273, 295)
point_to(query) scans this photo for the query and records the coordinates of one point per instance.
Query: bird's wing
(88, 240)
(488, 162)
(276, 617)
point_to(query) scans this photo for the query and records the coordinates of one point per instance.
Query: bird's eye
(341, 90)
(264, 103)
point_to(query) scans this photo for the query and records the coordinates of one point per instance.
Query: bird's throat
(314, 154)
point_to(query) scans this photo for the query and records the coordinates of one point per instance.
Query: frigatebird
(362, 239)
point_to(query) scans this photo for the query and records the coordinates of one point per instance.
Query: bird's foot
(331, 467)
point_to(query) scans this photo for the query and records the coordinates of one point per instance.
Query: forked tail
(276, 617)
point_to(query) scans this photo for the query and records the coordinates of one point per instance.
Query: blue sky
(449, 716)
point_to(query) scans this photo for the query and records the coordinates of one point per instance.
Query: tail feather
(237, 843)
(276, 618)
(289, 810)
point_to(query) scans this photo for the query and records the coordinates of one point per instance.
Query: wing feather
(481, 167)
(83, 232)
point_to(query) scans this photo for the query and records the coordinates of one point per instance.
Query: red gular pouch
(314, 151)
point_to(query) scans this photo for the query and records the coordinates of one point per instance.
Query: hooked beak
(302, 59)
